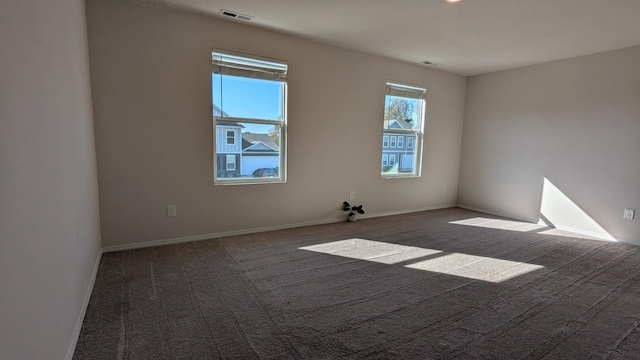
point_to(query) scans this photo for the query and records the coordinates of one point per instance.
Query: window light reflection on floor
(500, 224)
(456, 264)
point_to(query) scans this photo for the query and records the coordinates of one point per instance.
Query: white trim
(179, 240)
(83, 310)
(383, 141)
(564, 228)
(392, 141)
(400, 141)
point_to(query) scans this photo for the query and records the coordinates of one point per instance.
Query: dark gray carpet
(432, 285)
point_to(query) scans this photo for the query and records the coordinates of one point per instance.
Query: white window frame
(385, 141)
(232, 137)
(231, 165)
(250, 66)
(400, 141)
(411, 92)
(392, 142)
(392, 159)
(385, 160)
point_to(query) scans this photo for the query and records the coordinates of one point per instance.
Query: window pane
(256, 156)
(241, 97)
(399, 160)
(402, 113)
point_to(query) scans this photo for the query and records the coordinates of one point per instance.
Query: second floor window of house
(250, 118)
(404, 109)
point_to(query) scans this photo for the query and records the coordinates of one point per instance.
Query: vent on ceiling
(430, 63)
(235, 15)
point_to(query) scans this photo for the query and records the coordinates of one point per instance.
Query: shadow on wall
(559, 211)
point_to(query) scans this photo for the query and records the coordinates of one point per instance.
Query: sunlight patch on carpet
(476, 267)
(456, 264)
(500, 224)
(376, 251)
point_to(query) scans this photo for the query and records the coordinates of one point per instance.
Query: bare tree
(400, 109)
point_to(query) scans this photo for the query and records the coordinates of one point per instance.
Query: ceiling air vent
(430, 63)
(235, 15)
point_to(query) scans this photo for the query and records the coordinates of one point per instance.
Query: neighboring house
(398, 150)
(258, 151)
(240, 154)
(228, 148)
(228, 145)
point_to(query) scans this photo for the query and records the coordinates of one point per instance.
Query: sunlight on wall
(559, 211)
(456, 264)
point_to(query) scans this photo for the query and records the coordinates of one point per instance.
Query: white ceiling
(467, 38)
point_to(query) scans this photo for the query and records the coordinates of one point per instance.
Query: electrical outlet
(352, 195)
(629, 214)
(171, 211)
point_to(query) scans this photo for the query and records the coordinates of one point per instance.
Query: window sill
(399, 176)
(250, 181)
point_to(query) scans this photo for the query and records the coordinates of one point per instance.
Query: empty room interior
(183, 179)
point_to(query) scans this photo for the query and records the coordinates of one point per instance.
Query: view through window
(249, 112)
(404, 108)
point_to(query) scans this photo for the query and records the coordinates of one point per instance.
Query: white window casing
(236, 66)
(409, 124)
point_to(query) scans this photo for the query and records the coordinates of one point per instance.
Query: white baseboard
(565, 228)
(179, 240)
(83, 310)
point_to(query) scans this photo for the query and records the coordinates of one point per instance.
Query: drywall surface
(49, 219)
(151, 83)
(558, 141)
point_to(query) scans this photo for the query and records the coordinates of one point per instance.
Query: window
(250, 118)
(385, 141)
(404, 109)
(231, 162)
(385, 160)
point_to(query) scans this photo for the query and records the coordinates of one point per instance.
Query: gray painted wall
(49, 220)
(574, 122)
(151, 84)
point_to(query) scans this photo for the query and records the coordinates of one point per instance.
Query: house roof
(217, 111)
(229, 123)
(397, 124)
(252, 142)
